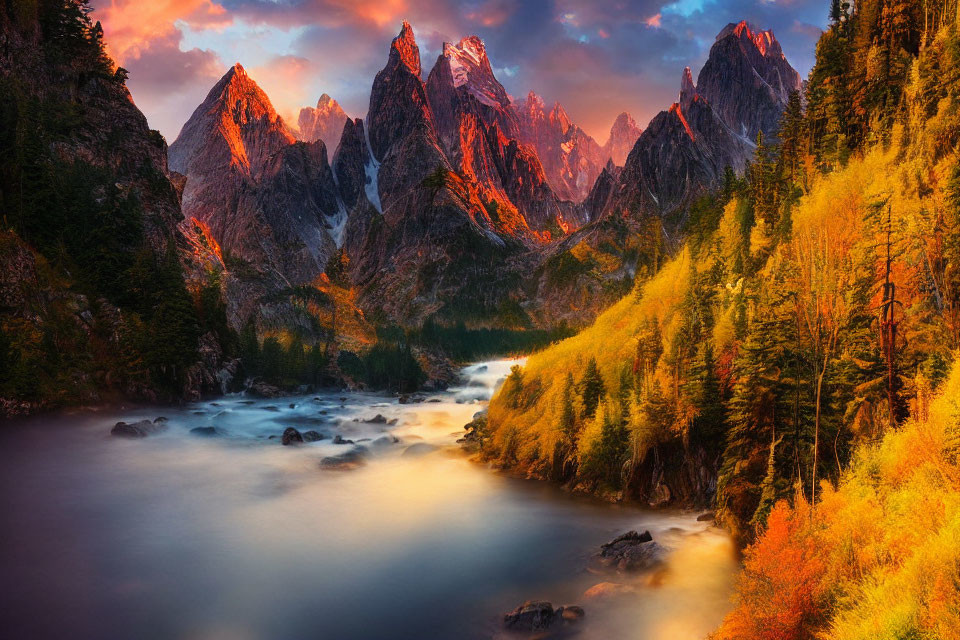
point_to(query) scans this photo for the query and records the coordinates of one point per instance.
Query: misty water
(239, 537)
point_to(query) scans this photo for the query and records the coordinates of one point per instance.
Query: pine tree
(591, 388)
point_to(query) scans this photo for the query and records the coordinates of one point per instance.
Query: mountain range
(452, 200)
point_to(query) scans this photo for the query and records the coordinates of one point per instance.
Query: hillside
(101, 294)
(812, 305)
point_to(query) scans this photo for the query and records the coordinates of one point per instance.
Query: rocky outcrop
(741, 91)
(623, 135)
(432, 245)
(324, 122)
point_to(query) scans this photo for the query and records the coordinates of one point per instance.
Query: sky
(597, 58)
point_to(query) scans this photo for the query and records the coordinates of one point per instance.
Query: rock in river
(630, 552)
(261, 389)
(313, 436)
(291, 436)
(539, 615)
(348, 461)
(140, 429)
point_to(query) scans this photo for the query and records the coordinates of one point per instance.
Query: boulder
(291, 436)
(571, 613)
(709, 516)
(338, 439)
(532, 615)
(261, 389)
(377, 419)
(140, 429)
(348, 461)
(631, 551)
(313, 436)
(539, 615)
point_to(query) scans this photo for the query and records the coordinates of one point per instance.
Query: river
(237, 537)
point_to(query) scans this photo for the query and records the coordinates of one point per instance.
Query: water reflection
(178, 536)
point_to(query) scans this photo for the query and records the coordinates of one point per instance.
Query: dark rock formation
(348, 461)
(140, 429)
(269, 202)
(630, 552)
(539, 615)
(291, 436)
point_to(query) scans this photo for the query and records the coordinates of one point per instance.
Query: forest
(800, 344)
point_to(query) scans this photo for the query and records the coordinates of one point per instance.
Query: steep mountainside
(682, 156)
(741, 91)
(101, 293)
(437, 244)
(479, 131)
(451, 200)
(271, 204)
(323, 122)
(571, 159)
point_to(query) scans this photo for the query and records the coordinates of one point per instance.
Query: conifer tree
(591, 388)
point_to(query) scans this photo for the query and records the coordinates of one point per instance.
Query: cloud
(596, 58)
(131, 26)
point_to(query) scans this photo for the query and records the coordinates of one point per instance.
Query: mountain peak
(405, 50)
(764, 41)
(470, 68)
(623, 135)
(559, 115)
(325, 122)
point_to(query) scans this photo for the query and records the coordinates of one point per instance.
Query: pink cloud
(654, 21)
(131, 26)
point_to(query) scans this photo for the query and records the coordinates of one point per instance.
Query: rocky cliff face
(324, 122)
(479, 131)
(449, 198)
(623, 135)
(742, 90)
(93, 254)
(747, 80)
(682, 155)
(572, 160)
(440, 242)
(271, 203)
(637, 213)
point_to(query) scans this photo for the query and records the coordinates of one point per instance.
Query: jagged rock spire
(404, 50)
